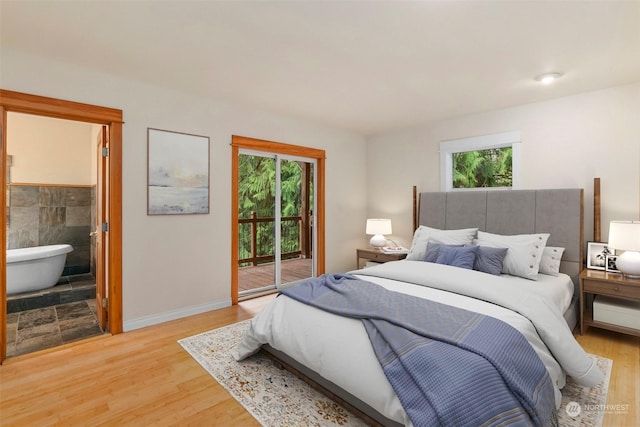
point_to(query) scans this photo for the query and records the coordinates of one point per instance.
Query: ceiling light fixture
(548, 78)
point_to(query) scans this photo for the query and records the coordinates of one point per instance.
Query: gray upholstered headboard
(559, 212)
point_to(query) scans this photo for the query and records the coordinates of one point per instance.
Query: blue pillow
(433, 250)
(489, 260)
(463, 257)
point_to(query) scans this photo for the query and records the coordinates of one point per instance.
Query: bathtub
(33, 269)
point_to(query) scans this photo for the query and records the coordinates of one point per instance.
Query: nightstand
(596, 282)
(376, 255)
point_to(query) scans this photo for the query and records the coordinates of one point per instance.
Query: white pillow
(524, 252)
(426, 234)
(550, 263)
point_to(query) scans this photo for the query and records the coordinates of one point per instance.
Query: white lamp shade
(624, 235)
(378, 226)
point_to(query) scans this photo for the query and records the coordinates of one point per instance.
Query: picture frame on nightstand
(611, 264)
(597, 253)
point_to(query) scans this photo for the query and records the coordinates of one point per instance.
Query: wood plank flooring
(138, 378)
(144, 378)
(624, 386)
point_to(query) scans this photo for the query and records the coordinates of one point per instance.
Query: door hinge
(105, 226)
(105, 302)
(105, 151)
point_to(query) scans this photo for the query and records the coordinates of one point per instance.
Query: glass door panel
(296, 204)
(256, 228)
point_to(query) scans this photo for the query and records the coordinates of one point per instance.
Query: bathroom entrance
(60, 174)
(53, 196)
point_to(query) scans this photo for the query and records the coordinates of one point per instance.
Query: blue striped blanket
(448, 366)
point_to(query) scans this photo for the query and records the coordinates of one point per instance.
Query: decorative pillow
(524, 252)
(489, 260)
(426, 234)
(550, 263)
(433, 250)
(462, 257)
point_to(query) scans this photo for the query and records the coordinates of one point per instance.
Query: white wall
(176, 265)
(49, 151)
(567, 142)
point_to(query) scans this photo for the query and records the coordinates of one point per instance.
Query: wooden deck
(259, 276)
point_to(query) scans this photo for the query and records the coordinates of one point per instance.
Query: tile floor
(41, 328)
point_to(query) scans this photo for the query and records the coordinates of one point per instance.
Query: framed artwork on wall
(597, 253)
(177, 173)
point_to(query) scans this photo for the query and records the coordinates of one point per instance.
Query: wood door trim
(44, 184)
(3, 235)
(276, 147)
(242, 142)
(61, 109)
(11, 101)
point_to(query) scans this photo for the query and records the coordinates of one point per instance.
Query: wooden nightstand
(596, 282)
(376, 255)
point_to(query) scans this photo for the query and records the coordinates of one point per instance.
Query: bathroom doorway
(53, 199)
(76, 199)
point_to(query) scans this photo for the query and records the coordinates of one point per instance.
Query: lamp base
(378, 241)
(629, 264)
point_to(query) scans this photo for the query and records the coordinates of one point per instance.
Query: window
(490, 161)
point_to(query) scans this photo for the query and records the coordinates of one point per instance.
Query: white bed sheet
(558, 289)
(338, 348)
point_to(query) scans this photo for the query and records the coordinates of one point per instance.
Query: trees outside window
(483, 168)
(490, 161)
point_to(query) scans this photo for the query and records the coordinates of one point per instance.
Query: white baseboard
(154, 319)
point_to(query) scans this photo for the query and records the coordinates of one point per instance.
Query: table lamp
(378, 227)
(625, 236)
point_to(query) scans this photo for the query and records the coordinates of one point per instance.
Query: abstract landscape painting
(178, 174)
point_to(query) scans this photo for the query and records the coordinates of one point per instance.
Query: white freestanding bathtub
(33, 269)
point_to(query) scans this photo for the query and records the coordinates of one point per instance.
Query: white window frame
(485, 142)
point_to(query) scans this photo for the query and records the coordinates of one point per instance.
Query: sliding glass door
(276, 236)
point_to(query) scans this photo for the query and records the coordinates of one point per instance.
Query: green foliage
(256, 186)
(256, 193)
(291, 196)
(483, 168)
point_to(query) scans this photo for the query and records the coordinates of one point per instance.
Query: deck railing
(304, 238)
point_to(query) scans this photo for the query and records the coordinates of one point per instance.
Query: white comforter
(338, 348)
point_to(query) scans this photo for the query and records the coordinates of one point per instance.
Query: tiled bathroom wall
(41, 215)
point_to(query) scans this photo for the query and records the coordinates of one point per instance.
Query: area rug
(276, 397)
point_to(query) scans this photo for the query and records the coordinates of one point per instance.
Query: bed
(538, 299)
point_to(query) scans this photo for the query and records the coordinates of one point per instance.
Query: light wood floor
(144, 378)
(624, 386)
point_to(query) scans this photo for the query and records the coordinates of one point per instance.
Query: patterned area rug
(276, 397)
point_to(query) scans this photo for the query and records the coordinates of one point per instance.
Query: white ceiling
(366, 66)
